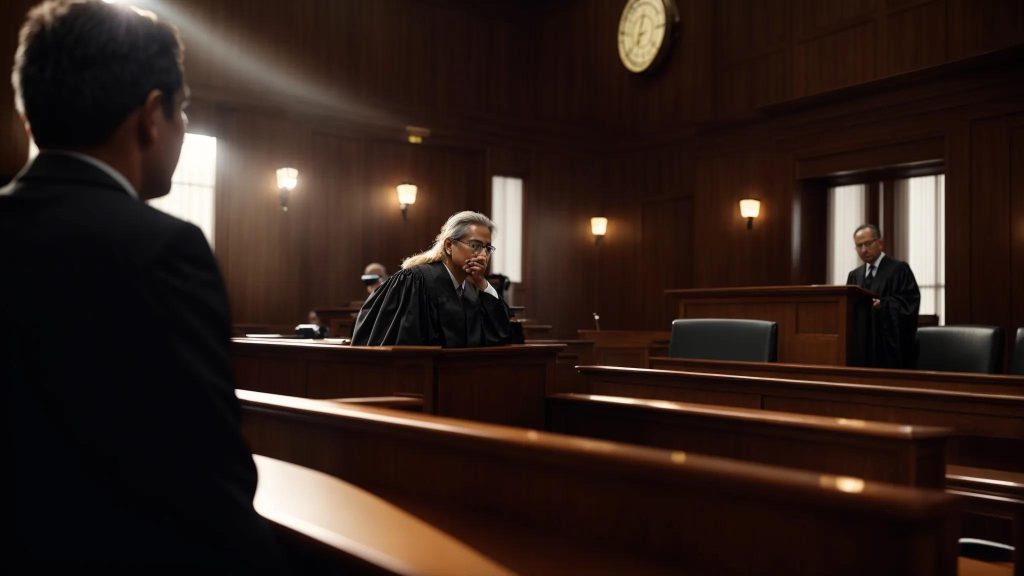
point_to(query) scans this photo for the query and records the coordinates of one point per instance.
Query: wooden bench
(328, 526)
(501, 384)
(880, 451)
(541, 503)
(412, 403)
(576, 353)
(627, 347)
(988, 428)
(960, 381)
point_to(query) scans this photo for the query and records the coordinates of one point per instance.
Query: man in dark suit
(128, 455)
(885, 331)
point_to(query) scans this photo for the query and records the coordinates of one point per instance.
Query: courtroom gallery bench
(627, 347)
(988, 438)
(328, 526)
(576, 353)
(880, 451)
(542, 503)
(989, 428)
(960, 381)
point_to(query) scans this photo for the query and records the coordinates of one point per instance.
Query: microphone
(597, 322)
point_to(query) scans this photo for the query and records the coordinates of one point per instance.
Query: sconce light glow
(287, 180)
(598, 227)
(750, 209)
(416, 134)
(406, 196)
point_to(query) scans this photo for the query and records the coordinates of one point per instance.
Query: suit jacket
(121, 407)
(419, 306)
(886, 338)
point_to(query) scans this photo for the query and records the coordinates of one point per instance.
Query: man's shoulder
(125, 215)
(893, 263)
(96, 214)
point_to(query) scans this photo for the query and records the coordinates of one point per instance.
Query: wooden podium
(816, 323)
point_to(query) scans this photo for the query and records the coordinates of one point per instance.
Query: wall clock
(645, 33)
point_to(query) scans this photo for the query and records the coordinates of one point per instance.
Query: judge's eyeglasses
(475, 246)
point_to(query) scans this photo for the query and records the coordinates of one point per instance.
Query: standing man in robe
(885, 331)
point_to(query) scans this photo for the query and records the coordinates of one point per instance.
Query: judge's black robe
(886, 337)
(419, 306)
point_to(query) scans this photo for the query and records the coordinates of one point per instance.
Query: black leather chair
(501, 284)
(724, 339)
(1018, 354)
(960, 349)
(986, 550)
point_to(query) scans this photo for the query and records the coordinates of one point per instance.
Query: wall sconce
(749, 209)
(598, 227)
(406, 196)
(416, 134)
(287, 180)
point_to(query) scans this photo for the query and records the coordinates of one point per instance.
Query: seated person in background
(313, 320)
(441, 297)
(374, 275)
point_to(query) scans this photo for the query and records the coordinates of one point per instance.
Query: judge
(885, 331)
(441, 297)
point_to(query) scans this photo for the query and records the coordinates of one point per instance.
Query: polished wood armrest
(986, 480)
(355, 530)
(972, 567)
(413, 403)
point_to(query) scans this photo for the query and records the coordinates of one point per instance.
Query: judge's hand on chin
(476, 268)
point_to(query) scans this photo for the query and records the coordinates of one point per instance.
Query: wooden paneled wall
(754, 95)
(343, 214)
(13, 141)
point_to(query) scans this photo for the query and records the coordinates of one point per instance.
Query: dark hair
(83, 66)
(872, 227)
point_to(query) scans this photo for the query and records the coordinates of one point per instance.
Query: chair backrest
(501, 284)
(1018, 354)
(724, 339)
(960, 349)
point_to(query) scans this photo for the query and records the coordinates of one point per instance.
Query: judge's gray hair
(455, 228)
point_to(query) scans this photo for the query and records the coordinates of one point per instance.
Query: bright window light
(192, 186)
(507, 214)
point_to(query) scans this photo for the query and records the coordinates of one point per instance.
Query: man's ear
(151, 118)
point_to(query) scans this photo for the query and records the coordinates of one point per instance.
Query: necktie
(870, 276)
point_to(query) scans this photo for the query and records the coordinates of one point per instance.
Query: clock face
(644, 33)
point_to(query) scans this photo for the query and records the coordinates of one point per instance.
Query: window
(920, 208)
(192, 186)
(845, 213)
(507, 214)
(911, 214)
